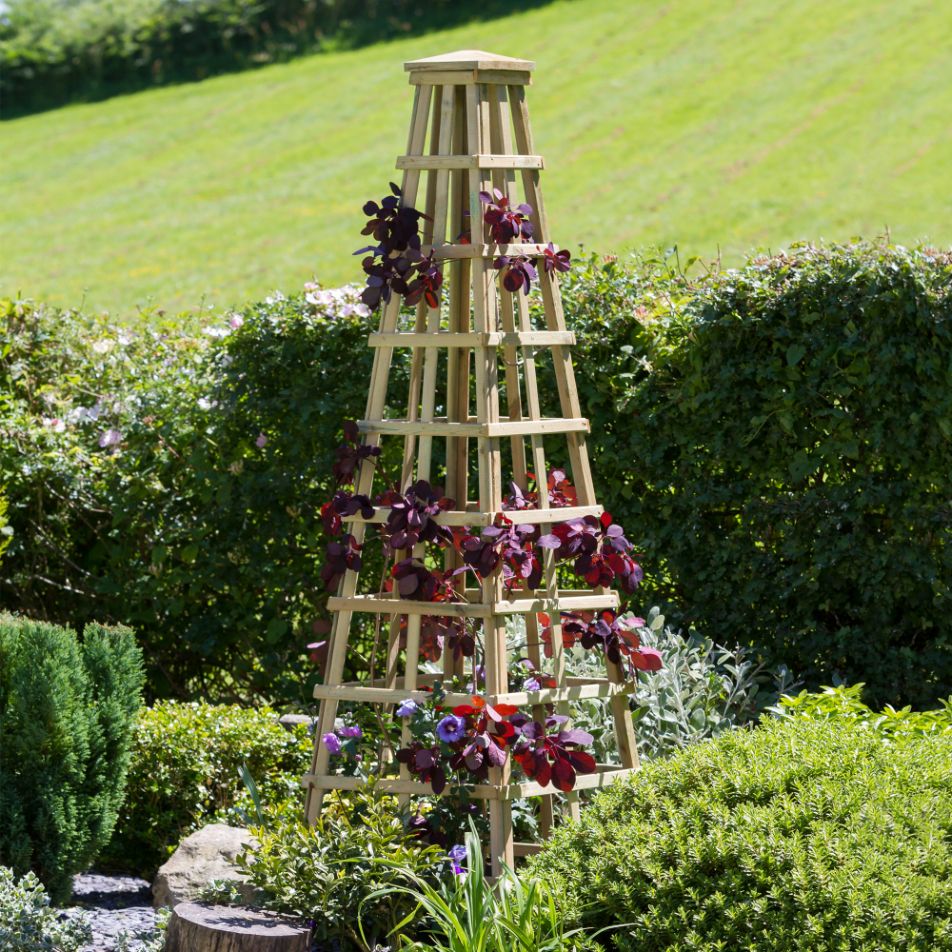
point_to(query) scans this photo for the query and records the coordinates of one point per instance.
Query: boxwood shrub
(797, 835)
(186, 771)
(66, 712)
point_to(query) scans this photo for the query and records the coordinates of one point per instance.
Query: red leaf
(563, 775)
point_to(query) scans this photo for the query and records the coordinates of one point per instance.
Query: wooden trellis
(470, 132)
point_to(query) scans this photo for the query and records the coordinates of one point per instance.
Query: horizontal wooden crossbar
(472, 339)
(450, 252)
(576, 689)
(498, 77)
(389, 605)
(443, 427)
(470, 162)
(603, 776)
(457, 517)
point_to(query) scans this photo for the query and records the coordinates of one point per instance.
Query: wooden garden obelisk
(475, 359)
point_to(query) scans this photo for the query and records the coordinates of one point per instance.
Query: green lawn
(719, 126)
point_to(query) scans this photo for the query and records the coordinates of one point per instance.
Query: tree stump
(197, 927)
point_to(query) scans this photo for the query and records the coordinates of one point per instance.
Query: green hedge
(799, 835)
(185, 772)
(775, 439)
(209, 544)
(779, 441)
(66, 714)
(53, 52)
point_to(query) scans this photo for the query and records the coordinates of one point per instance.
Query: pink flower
(55, 424)
(262, 441)
(235, 321)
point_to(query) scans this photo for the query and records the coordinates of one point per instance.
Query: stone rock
(289, 721)
(198, 927)
(206, 854)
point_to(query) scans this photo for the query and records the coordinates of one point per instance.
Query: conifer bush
(66, 713)
(798, 836)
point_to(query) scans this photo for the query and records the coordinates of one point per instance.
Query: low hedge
(53, 52)
(777, 440)
(798, 835)
(66, 713)
(186, 771)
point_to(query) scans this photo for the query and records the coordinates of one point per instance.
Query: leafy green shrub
(703, 690)
(178, 481)
(66, 715)
(332, 873)
(844, 703)
(182, 525)
(782, 437)
(798, 835)
(53, 52)
(186, 772)
(29, 924)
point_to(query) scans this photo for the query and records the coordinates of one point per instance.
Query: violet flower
(407, 708)
(457, 857)
(451, 729)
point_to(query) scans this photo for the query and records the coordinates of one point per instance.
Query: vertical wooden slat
(457, 359)
(376, 400)
(569, 399)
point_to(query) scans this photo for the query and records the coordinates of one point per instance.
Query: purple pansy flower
(451, 729)
(407, 708)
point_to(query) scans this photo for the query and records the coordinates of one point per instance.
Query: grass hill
(721, 127)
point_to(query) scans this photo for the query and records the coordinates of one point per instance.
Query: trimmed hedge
(779, 441)
(775, 439)
(185, 527)
(66, 714)
(799, 835)
(185, 772)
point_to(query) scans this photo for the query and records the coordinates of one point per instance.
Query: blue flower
(451, 729)
(457, 856)
(407, 708)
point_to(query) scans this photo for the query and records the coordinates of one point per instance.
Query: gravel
(115, 906)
